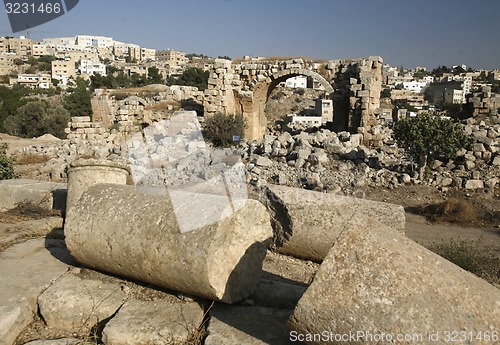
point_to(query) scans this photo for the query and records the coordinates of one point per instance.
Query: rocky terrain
(108, 307)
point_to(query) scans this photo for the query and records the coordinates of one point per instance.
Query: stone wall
(483, 101)
(128, 110)
(243, 88)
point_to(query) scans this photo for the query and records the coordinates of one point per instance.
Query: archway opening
(291, 97)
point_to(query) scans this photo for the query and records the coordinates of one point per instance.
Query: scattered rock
(76, 305)
(154, 322)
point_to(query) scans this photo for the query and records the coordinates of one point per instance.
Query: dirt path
(426, 233)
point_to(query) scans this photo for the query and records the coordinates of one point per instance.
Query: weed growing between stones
(479, 260)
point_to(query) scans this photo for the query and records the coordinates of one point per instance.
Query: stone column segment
(377, 282)
(116, 229)
(307, 224)
(84, 173)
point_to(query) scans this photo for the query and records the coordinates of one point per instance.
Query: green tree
(192, 76)
(426, 138)
(154, 76)
(36, 118)
(10, 101)
(385, 93)
(78, 102)
(220, 129)
(6, 164)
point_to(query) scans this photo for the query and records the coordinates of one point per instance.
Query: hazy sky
(408, 33)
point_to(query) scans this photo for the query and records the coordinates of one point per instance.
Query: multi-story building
(89, 67)
(297, 82)
(38, 50)
(7, 63)
(454, 96)
(33, 81)
(63, 70)
(172, 57)
(20, 46)
(324, 108)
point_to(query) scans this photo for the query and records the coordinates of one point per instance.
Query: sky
(426, 33)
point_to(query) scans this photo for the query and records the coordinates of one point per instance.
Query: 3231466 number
(27, 8)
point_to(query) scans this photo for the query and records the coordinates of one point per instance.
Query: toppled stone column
(84, 173)
(114, 228)
(307, 224)
(379, 283)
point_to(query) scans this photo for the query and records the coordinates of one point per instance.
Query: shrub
(37, 118)
(426, 138)
(299, 91)
(220, 129)
(6, 164)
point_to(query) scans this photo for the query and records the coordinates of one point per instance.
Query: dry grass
(278, 58)
(479, 260)
(163, 106)
(27, 210)
(147, 88)
(26, 159)
(453, 210)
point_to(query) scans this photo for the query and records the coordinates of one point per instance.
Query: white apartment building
(415, 86)
(324, 108)
(297, 82)
(454, 96)
(90, 67)
(311, 121)
(94, 41)
(33, 80)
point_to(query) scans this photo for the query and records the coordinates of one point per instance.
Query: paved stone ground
(47, 299)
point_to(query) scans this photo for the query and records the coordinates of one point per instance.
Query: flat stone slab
(231, 325)
(76, 305)
(153, 322)
(26, 270)
(46, 194)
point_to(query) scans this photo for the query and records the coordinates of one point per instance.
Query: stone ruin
(354, 85)
(371, 278)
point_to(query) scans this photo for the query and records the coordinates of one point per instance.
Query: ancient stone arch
(353, 84)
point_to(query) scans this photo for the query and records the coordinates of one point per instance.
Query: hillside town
(412, 91)
(167, 197)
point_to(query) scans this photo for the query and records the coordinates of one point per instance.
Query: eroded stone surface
(154, 322)
(307, 223)
(26, 270)
(377, 281)
(118, 230)
(76, 305)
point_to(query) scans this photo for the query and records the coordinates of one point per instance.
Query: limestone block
(121, 230)
(363, 93)
(49, 195)
(27, 269)
(376, 281)
(306, 223)
(76, 305)
(474, 184)
(80, 119)
(153, 322)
